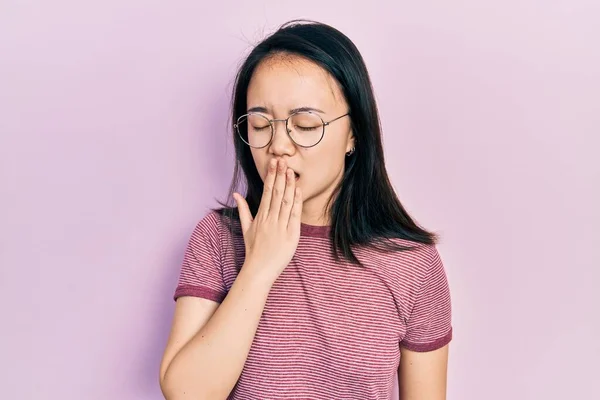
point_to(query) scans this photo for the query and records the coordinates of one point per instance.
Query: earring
(348, 154)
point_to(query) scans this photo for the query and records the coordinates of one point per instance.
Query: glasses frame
(287, 130)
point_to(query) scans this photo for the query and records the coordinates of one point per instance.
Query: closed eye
(305, 128)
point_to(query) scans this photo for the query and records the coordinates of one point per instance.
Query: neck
(315, 219)
(314, 211)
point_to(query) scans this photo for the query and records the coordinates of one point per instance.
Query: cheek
(260, 161)
(325, 169)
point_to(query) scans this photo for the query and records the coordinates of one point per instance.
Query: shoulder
(210, 225)
(413, 264)
(219, 227)
(217, 221)
(401, 251)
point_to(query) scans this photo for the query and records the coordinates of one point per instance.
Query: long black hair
(365, 208)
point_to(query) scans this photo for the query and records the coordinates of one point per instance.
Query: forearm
(209, 365)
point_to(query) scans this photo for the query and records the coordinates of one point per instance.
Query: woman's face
(285, 83)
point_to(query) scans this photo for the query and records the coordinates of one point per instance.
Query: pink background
(113, 144)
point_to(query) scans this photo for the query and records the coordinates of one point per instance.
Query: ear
(351, 142)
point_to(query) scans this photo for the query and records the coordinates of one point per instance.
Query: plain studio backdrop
(115, 142)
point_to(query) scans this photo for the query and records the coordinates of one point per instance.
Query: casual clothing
(329, 330)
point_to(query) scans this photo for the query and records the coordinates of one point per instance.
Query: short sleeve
(201, 271)
(429, 326)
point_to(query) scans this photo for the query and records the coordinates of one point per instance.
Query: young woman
(318, 285)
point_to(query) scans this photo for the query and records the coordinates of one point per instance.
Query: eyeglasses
(305, 128)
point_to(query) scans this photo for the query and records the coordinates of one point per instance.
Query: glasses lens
(306, 129)
(254, 129)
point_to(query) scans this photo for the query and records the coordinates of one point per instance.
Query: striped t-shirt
(329, 330)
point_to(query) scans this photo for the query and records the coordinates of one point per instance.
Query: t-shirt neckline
(314, 230)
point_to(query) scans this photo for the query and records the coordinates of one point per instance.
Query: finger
(278, 189)
(265, 202)
(244, 211)
(296, 213)
(288, 196)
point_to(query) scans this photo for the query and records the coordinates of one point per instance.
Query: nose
(281, 144)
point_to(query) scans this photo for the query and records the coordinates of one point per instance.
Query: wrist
(255, 275)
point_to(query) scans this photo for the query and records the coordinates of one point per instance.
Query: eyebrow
(294, 110)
